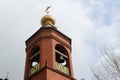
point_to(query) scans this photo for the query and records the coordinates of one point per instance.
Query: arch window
(62, 63)
(34, 60)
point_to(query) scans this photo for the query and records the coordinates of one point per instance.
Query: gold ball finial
(47, 19)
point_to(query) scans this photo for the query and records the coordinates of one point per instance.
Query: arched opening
(62, 60)
(34, 60)
(34, 57)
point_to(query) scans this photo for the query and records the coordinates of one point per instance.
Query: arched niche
(62, 59)
(34, 56)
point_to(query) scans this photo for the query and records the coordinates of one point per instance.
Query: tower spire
(48, 53)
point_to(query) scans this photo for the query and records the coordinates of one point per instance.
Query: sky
(91, 24)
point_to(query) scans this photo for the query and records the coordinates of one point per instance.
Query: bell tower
(48, 53)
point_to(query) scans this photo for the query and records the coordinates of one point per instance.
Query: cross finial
(47, 10)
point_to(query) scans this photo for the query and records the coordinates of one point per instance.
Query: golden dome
(48, 20)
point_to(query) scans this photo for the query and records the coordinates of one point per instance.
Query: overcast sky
(91, 24)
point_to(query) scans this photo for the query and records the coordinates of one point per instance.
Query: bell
(61, 59)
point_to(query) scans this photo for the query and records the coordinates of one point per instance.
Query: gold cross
(47, 10)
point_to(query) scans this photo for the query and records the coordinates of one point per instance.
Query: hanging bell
(61, 59)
